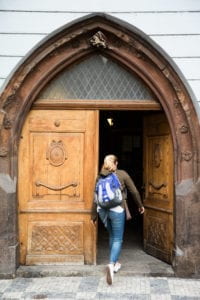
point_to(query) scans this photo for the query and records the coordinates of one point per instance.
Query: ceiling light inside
(110, 121)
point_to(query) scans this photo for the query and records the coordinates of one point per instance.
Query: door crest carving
(56, 154)
(157, 155)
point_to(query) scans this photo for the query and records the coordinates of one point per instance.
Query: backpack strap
(117, 180)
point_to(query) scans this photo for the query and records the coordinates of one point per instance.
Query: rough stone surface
(95, 287)
(8, 232)
(187, 257)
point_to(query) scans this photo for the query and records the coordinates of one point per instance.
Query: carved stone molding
(166, 72)
(12, 96)
(63, 40)
(75, 43)
(3, 151)
(7, 123)
(136, 49)
(10, 99)
(98, 40)
(2, 116)
(187, 155)
(176, 103)
(184, 129)
(181, 96)
(116, 42)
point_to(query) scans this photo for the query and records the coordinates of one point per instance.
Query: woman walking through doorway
(114, 218)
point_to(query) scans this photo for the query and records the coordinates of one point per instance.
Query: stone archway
(131, 48)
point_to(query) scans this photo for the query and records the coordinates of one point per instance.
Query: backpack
(108, 191)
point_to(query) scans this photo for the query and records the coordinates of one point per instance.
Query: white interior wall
(174, 25)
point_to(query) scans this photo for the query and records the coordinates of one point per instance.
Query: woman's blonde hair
(110, 162)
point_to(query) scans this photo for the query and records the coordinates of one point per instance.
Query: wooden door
(58, 158)
(158, 179)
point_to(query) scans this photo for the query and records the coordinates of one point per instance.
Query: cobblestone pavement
(95, 287)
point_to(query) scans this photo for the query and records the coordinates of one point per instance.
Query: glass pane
(96, 78)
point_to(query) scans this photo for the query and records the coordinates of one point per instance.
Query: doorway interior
(121, 133)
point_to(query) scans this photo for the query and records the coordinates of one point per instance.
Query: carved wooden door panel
(58, 158)
(158, 179)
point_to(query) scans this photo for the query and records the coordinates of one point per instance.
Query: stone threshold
(90, 270)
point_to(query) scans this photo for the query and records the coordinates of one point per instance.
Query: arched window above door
(96, 78)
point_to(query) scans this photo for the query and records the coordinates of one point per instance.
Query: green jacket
(126, 184)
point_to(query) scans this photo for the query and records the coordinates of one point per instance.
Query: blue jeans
(115, 226)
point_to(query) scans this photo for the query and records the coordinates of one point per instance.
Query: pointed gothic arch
(131, 48)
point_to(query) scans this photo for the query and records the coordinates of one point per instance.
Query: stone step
(91, 270)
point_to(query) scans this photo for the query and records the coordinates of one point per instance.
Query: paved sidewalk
(95, 287)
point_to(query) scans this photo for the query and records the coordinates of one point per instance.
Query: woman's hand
(94, 222)
(141, 210)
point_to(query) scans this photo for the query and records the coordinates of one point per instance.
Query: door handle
(56, 188)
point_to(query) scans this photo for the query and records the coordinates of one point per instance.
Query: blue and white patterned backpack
(108, 191)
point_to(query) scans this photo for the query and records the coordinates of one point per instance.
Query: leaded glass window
(96, 78)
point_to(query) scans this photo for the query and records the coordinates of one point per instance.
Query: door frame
(136, 52)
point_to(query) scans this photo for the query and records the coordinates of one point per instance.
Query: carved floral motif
(98, 40)
(187, 155)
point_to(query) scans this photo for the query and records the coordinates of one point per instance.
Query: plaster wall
(174, 25)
